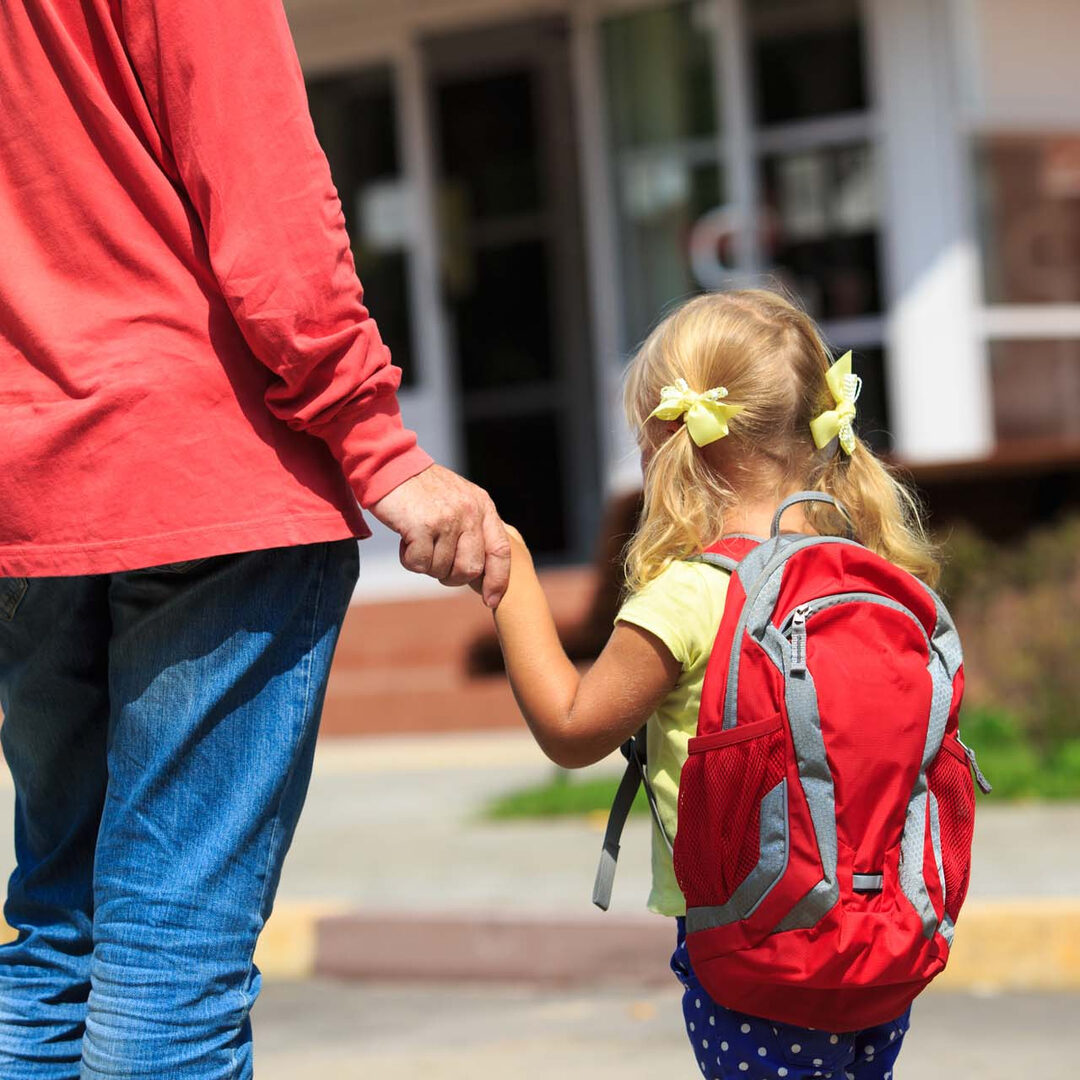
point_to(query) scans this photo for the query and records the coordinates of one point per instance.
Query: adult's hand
(449, 530)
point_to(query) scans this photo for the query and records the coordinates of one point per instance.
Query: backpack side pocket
(949, 778)
(732, 841)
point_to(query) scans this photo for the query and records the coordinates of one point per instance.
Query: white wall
(938, 375)
(1020, 66)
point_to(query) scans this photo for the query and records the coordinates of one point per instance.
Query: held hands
(449, 530)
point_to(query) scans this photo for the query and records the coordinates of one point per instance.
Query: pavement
(359, 1031)
(413, 937)
(393, 846)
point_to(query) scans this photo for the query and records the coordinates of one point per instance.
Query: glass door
(512, 273)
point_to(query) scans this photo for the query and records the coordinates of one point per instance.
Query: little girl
(733, 411)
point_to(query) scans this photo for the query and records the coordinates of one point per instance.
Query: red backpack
(826, 808)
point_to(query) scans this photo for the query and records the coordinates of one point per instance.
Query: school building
(529, 183)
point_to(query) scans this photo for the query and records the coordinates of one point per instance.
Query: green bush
(1013, 763)
(1018, 611)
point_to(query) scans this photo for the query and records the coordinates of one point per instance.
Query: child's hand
(519, 553)
(515, 537)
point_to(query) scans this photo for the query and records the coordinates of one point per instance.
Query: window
(821, 220)
(800, 135)
(807, 59)
(355, 118)
(818, 188)
(659, 67)
(1036, 390)
(1028, 200)
(1029, 217)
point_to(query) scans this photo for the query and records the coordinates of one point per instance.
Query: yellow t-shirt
(683, 607)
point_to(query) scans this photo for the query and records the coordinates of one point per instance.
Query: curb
(1030, 944)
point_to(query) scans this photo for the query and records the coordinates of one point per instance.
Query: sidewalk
(394, 874)
(366, 1031)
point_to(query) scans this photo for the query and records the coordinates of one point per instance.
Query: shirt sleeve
(682, 607)
(224, 86)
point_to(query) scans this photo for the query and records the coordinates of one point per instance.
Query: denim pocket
(12, 590)
(171, 568)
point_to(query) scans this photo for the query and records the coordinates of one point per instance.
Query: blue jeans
(159, 726)
(730, 1045)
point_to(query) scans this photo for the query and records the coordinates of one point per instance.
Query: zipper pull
(798, 640)
(984, 785)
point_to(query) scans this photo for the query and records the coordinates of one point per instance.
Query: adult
(192, 400)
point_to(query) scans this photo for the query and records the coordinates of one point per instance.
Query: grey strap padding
(761, 573)
(775, 846)
(805, 497)
(945, 660)
(635, 776)
(947, 929)
(935, 841)
(722, 562)
(815, 778)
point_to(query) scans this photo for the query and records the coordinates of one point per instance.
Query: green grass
(562, 796)
(1017, 769)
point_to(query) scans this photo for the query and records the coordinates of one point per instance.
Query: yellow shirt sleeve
(683, 607)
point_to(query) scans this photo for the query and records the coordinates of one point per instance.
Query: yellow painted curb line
(1031, 944)
(1001, 945)
(286, 948)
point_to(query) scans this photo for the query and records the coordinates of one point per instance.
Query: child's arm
(577, 719)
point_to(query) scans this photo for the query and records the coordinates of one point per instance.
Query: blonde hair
(772, 359)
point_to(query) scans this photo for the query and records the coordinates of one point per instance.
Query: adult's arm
(224, 86)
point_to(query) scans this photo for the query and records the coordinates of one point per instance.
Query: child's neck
(755, 518)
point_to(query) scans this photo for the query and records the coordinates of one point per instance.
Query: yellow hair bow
(706, 414)
(837, 423)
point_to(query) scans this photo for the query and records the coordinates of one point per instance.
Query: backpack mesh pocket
(723, 782)
(950, 780)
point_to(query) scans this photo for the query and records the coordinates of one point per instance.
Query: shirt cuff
(394, 473)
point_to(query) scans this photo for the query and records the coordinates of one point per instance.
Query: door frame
(511, 45)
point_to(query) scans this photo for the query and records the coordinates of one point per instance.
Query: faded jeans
(159, 726)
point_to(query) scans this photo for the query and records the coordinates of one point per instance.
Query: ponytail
(882, 512)
(774, 364)
(683, 511)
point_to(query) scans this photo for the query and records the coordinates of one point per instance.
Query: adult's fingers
(496, 556)
(468, 559)
(445, 548)
(416, 551)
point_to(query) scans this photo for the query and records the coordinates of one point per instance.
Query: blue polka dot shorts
(730, 1045)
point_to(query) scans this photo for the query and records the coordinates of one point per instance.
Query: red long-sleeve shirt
(186, 364)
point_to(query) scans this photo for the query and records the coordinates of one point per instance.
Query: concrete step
(404, 666)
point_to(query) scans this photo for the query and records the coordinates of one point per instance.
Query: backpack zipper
(797, 631)
(793, 626)
(984, 785)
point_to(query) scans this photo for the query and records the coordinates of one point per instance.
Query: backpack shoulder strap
(725, 555)
(635, 776)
